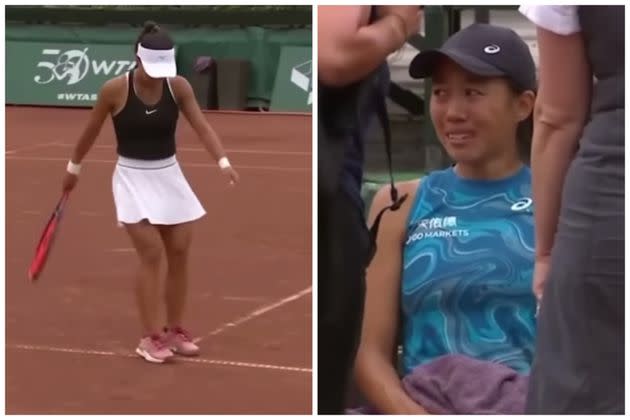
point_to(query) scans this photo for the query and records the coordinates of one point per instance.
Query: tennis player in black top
(154, 202)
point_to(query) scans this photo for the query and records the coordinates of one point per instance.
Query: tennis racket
(46, 241)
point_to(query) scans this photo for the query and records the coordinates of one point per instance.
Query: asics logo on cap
(492, 49)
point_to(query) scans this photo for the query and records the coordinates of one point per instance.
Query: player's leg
(147, 242)
(177, 240)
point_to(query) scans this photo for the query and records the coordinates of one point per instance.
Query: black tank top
(146, 132)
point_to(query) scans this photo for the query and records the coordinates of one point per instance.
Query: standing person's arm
(207, 136)
(349, 49)
(560, 113)
(102, 108)
(375, 371)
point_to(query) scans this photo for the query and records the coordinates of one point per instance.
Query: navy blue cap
(484, 50)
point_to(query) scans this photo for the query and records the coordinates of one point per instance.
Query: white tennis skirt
(155, 190)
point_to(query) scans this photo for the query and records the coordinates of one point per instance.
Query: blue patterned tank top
(467, 271)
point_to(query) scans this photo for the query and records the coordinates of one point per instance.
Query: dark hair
(524, 133)
(524, 130)
(149, 27)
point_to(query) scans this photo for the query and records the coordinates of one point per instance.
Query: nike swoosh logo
(150, 112)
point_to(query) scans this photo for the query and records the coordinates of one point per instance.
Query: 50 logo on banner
(62, 74)
(72, 66)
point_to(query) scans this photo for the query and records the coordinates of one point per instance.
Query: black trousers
(579, 361)
(343, 253)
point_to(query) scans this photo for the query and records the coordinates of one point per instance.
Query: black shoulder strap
(130, 89)
(381, 112)
(396, 201)
(372, 14)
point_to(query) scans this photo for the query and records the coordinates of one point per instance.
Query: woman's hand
(541, 272)
(409, 15)
(231, 173)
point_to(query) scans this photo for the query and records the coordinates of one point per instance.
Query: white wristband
(224, 163)
(73, 168)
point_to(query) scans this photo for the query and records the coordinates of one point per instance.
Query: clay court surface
(70, 337)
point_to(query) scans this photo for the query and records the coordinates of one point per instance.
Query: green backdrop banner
(261, 46)
(293, 89)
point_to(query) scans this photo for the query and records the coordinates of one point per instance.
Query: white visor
(158, 63)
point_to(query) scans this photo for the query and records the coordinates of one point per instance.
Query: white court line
(178, 359)
(37, 212)
(186, 165)
(254, 314)
(201, 149)
(31, 147)
(122, 250)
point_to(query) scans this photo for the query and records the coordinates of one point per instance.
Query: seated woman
(454, 266)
